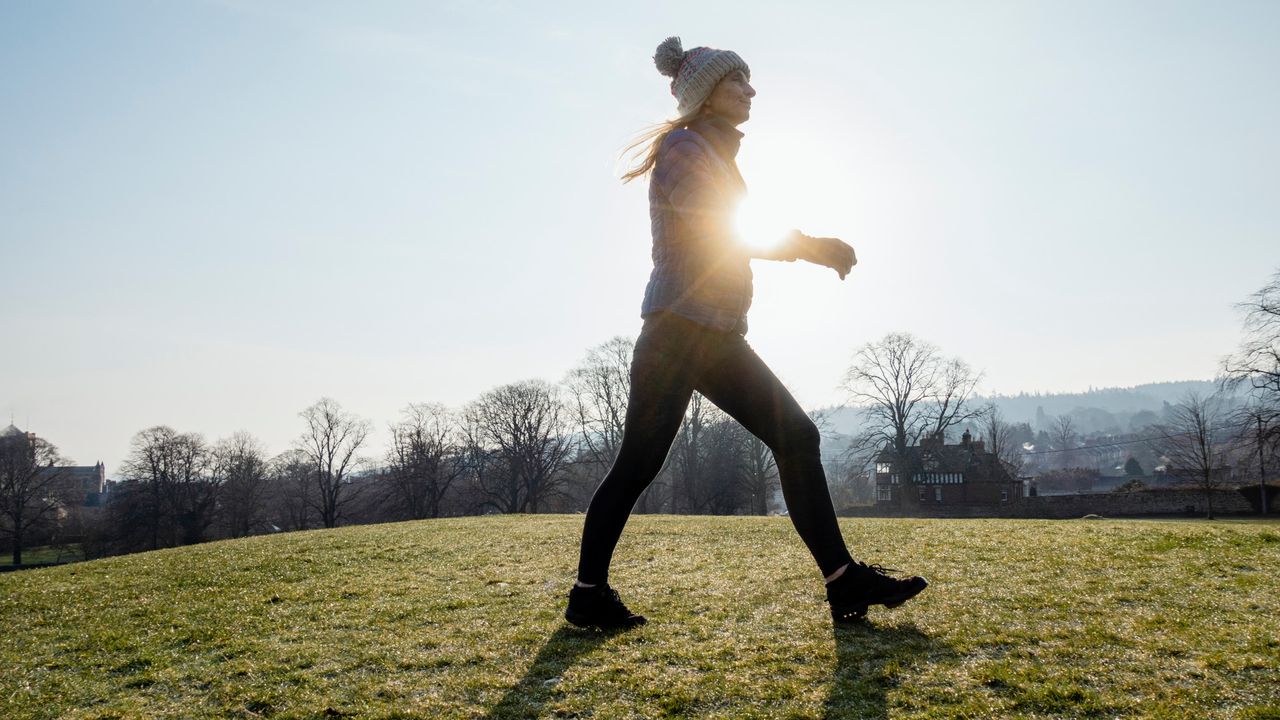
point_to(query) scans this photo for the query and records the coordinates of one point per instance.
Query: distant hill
(1119, 408)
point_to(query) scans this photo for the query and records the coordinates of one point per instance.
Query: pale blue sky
(214, 213)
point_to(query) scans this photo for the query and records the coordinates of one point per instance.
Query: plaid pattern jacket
(700, 269)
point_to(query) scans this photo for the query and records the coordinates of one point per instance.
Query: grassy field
(45, 554)
(462, 618)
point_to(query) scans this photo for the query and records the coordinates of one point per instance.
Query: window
(922, 496)
(1004, 496)
(937, 494)
(884, 493)
(883, 468)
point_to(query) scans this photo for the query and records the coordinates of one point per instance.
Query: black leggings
(673, 358)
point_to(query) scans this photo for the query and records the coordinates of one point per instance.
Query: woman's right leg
(744, 387)
(661, 387)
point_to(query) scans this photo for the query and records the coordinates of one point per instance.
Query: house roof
(969, 459)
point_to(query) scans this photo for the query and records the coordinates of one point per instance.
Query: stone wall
(1141, 502)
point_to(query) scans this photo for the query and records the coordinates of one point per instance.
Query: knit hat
(695, 73)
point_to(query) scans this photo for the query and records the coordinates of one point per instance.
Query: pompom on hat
(695, 73)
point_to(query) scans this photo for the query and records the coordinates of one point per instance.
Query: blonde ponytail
(642, 153)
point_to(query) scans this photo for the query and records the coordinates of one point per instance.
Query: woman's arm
(783, 251)
(828, 252)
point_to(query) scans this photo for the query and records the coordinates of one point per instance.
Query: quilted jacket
(701, 271)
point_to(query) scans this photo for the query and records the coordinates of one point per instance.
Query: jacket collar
(722, 135)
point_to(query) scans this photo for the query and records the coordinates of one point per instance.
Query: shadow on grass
(540, 683)
(869, 661)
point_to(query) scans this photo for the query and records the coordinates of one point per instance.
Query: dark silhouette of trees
(1257, 429)
(425, 459)
(129, 522)
(1256, 366)
(716, 466)
(331, 441)
(1063, 435)
(517, 445)
(760, 475)
(1003, 439)
(176, 491)
(290, 489)
(686, 458)
(30, 474)
(241, 466)
(1195, 442)
(1256, 363)
(599, 388)
(726, 481)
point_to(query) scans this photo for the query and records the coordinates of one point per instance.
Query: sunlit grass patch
(462, 618)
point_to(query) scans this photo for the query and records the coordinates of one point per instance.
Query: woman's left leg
(739, 383)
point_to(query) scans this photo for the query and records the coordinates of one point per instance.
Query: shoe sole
(856, 613)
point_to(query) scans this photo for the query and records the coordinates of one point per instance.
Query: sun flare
(759, 225)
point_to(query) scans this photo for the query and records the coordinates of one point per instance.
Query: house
(936, 475)
(78, 485)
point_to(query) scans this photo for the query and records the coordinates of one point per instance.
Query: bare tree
(240, 463)
(949, 404)
(291, 487)
(907, 389)
(760, 474)
(1194, 442)
(598, 392)
(30, 473)
(424, 460)
(482, 470)
(1256, 363)
(599, 387)
(1001, 440)
(716, 466)
(524, 426)
(726, 480)
(331, 441)
(686, 455)
(178, 493)
(1257, 427)
(1063, 436)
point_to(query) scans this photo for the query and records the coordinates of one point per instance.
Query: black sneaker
(599, 606)
(862, 586)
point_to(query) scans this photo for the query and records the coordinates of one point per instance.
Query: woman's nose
(751, 92)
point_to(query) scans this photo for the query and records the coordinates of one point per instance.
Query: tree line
(525, 447)
(533, 446)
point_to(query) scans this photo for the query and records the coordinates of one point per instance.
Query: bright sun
(760, 226)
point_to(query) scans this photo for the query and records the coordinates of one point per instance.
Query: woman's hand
(828, 252)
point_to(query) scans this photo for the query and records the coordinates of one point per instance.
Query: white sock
(836, 575)
(579, 583)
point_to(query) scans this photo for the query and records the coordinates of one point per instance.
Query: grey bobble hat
(695, 73)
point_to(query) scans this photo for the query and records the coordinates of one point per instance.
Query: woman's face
(732, 98)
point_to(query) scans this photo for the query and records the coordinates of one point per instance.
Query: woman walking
(694, 312)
